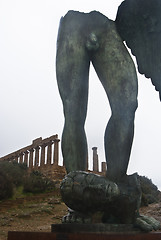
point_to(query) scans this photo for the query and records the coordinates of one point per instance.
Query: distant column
(56, 151)
(31, 158)
(16, 158)
(37, 156)
(87, 163)
(26, 158)
(49, 153)
(95, 159)
(21, 157)
(63, 162)
(12, 159)
(104, 167)
(42, 159)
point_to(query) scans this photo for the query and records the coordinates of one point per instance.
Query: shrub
(14, 171)
(14, 175)
(37, 183)
(150, 192)
(11, 176)
(6, 186)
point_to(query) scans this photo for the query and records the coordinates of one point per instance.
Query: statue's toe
(147, 223)
(76, 217)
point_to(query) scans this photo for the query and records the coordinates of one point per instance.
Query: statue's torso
(87, 25)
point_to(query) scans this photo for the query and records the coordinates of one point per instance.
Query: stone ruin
(43, 155)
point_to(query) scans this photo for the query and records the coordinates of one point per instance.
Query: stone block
(80, 236)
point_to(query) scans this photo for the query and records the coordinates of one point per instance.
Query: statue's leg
(72, 68)
(116, 71)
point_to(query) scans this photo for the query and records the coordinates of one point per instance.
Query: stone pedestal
(84, 236)
(94, 228)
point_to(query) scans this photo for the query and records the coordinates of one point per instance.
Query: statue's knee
(125, 110)
(132, 106)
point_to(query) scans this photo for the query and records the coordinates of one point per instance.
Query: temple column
(95, 159)
(49, 153)
(26, 158)
(16, 158)
(87, 163)
(21, 157)
(31, 158)
(12, 159)
(42, 159)
(36, 156)
(104, 167)
(56, 152)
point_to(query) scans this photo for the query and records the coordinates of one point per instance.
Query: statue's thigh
(72, 68)
(116, 71)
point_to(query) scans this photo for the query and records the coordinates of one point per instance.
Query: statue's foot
(76, 217)
(147, 224)
(87, 192)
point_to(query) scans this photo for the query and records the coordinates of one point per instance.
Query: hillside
(31, 213)
(37, 213)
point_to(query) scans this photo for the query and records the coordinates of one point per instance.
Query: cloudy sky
(30, 105)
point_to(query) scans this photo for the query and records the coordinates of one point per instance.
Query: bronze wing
(139, 25)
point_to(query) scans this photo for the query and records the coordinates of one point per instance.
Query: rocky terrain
(37, 213)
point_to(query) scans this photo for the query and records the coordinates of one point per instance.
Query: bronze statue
(92, 37)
